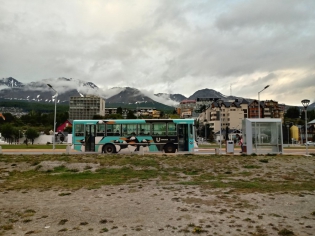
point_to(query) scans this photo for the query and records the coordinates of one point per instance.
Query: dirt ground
(153, 207)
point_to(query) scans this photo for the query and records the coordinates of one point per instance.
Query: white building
(232, 114)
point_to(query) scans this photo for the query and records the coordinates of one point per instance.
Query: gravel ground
(150, 207)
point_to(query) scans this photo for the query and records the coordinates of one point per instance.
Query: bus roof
(134, 121)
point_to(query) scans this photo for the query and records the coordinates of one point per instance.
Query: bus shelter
(262, 136)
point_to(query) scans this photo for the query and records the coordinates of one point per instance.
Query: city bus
(129, 135)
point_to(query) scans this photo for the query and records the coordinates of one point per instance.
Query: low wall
(42, 139)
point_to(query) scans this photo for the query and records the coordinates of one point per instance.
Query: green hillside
(34, 106)
(157, 105)
(49, 107)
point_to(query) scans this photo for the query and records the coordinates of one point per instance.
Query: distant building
(148, 111)
(272, 109)
(231, 115)
(186, 108)
(156, 114)
(61, 128)
(84, 108)
(268, 109)
(109, 111)
(205, 102)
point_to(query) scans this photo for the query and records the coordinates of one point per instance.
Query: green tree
(119, 110)
(162, 114)
(15, 134)
(131, 115)
(293, 113)
(98, 117)
(113, 116)
(8, 117)
(61, 117)
(31, 134)
(7, 131)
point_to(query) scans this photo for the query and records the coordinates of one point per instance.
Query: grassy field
(93, 171)
(182, 194)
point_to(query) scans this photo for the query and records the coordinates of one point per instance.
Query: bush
(48, 143)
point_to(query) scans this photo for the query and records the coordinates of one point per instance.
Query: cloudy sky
(170, 46)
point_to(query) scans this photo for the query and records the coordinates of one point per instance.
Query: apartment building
(204, 103)
(268, 109)
(186, 108)
(231, 113)
(84, 108)
(273, 110)
(109, 111)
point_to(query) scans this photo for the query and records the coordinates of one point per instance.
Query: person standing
(240, 141)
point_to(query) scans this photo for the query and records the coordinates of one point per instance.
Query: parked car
(309, 143)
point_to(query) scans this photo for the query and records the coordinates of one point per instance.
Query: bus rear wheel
(169, 148)
(109, 148)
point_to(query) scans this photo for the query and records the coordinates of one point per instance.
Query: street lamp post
(259, 100)
(288, 126)
(206, 132)
(55, 96)
(305, 103)
(124, 113)
(219, 105)
(19, 136)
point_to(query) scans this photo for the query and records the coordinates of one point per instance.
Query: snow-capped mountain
(171, 97)
(39, 91)
(10, 82)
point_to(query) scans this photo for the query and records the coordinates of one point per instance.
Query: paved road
(237, 151)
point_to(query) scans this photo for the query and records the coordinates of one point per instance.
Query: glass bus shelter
(262, 136)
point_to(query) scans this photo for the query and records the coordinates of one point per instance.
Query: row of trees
(31, 124)
(298, 116)
(13, 134)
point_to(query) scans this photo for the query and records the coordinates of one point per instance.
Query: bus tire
(109, 148)
(169, 148)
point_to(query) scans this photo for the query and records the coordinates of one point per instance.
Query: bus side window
(158, 128)
(100, 130)
(171, 129)
(79, 130)
(109, 132)
(144, 129)
(129, 129)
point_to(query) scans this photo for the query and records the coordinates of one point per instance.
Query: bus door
(90, 131)
(182, 134)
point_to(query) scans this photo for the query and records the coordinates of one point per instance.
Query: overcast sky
(171, 46)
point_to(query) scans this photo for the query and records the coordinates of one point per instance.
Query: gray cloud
(164, 46)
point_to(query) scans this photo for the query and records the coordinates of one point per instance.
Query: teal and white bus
(118, 136)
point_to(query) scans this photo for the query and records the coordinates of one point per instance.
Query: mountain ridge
(38, 91)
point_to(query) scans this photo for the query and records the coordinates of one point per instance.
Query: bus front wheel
(169, 148)
(109, 148)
